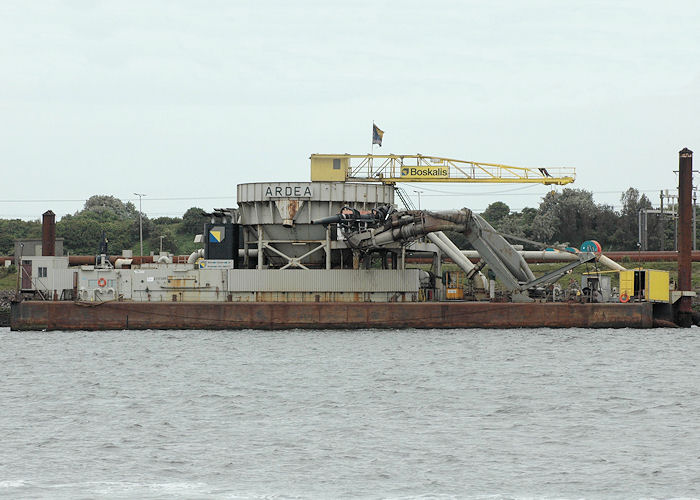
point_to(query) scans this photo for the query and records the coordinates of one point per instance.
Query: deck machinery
(338, 238)
(346, 221)
(333, 253)
(386, 229)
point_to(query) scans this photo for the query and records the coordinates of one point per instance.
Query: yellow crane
(390, 169)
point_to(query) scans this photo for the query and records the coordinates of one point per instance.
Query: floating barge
(332, 254)
(50, 315)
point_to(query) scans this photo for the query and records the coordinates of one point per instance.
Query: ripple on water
(400, 414)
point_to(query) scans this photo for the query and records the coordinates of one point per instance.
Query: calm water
(398, 414)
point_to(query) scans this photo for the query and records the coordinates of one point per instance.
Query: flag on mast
(377, 135)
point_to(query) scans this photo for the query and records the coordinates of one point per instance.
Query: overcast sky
(184, 100)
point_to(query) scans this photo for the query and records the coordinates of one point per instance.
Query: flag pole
(371, 159)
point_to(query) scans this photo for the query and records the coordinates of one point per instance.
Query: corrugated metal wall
(317, 191)
(317, 199)
(316, 280)
(56, 279)
(167, 284)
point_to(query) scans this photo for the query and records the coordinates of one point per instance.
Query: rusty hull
(29, 315)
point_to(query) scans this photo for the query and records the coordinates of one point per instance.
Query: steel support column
(662, 224)
(328, 246)
(685, 188)
(437, 269)
(260, 246)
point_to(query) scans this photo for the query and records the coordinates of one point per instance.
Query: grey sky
(184, 100)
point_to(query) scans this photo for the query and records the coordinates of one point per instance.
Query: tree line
(82, 231)
(567, 217)
(571, 217)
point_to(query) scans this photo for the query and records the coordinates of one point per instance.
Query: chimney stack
(48, 234)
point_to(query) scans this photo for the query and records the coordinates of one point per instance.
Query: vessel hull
(35, 315)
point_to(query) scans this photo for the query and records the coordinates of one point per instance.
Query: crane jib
(390, 169)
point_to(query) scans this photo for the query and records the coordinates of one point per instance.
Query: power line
(124, 199)
(40, 201)
(438, 192)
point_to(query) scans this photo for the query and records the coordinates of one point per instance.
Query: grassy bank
(8, 281)
(8, 278)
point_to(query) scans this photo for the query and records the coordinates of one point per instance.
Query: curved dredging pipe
(532, 256)
(120, 263)
(450, 249)
(199, 254)
(409, 228)
(610, 264)
(551, 256)
(195, 255)
(89, 260)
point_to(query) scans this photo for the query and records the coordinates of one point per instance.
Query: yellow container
(648, 285)
(657, 286)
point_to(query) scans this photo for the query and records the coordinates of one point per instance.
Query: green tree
(606, 225)
(108, 203)
(518, 223)
(170, 242)
(573, 217)
(15, 229)
(193, 221)
(161, 221)
(496, 212)
(626, 234)
(82, 232)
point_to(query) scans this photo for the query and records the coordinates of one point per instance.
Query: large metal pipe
(451, 250)
(656, 256)
(685, 244)
(88, 260)
(610, 264)
(542, 256)
(192, 258)
(48, 234)
(532, 256)
(422, 224)
(120, 263)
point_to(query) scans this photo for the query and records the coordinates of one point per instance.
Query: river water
(483, 414)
